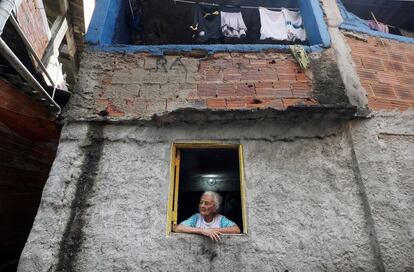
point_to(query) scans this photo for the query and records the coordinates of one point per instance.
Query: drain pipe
(6, 7)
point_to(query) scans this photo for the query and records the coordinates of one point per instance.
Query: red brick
(236, 103)
(300, 76)
(223, 55)
(372, 63)
(267, 75)
(231, 74)
(397, 56)
(410, 57)
(406, 79)
(287, 77)
(383, 90)
(245, 89)
(223, 63)
(367, 75)
(259, 62)
(250, 56)
(250, 75)
(226, 90)
(298, 101)
(378, 104)
(206, 90)
(264, 103)
(213, 75)
(357, 60)
(301, 89)
(367, 88)
(409, 68)
(240, 61)
(268, 89)
(282, 85)
(273, 103)
(216, 103)
(286, 66)
(388, 78)
(205, 65)
(405, 92)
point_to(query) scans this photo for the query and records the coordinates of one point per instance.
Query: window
(172, 22)
(199, 167)
(147, 24)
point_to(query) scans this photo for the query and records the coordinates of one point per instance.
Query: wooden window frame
(172, 212)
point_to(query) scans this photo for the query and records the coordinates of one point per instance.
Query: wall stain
(73, 236)
(373, 238)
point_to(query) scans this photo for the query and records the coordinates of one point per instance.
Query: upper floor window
(213, 22)
(208, 22)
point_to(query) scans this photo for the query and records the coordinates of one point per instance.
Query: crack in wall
(73, 235)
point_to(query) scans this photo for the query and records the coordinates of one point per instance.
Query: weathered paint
(314, 23)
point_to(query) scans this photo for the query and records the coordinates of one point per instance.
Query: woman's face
(207, 206)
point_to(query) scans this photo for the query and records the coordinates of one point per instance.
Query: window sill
(159, 50)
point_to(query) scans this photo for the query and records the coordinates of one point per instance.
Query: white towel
(232, 24)
(294, 25)
(273, 25)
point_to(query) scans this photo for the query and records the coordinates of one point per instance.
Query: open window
(165, 24)
(158, 22)
(199, 167)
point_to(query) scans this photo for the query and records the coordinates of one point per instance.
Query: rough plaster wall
(304, 207)
(384, 148)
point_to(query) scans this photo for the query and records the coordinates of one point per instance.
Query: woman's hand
(214, 234)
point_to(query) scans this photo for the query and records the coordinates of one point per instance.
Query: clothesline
(217, 5)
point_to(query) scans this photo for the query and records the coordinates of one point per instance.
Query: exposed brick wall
(139, 85)
(32, 20)
(386, 71)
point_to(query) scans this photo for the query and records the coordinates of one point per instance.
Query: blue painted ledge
(159, 50)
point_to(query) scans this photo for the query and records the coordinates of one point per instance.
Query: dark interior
(208, 169)
(397, 13)
(166, 22)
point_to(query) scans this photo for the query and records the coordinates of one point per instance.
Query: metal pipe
(30, 48)
(22, 70)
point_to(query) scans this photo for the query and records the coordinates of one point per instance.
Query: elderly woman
(208, 222)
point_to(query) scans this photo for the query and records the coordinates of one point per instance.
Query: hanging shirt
(206, 23)
(294, 25)
(378, 26)
(232, 24)
(273, 25)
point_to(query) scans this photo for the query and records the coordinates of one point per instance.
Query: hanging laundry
(273, 25)
(206, 23)
(294, 25)
(232, 24)
(378, 26)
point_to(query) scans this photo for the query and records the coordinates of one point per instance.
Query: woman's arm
(214, 234)
(229, 230)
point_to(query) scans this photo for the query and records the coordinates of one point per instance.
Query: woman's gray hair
(216, 197)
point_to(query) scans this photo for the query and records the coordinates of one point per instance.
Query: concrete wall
(322, 195)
